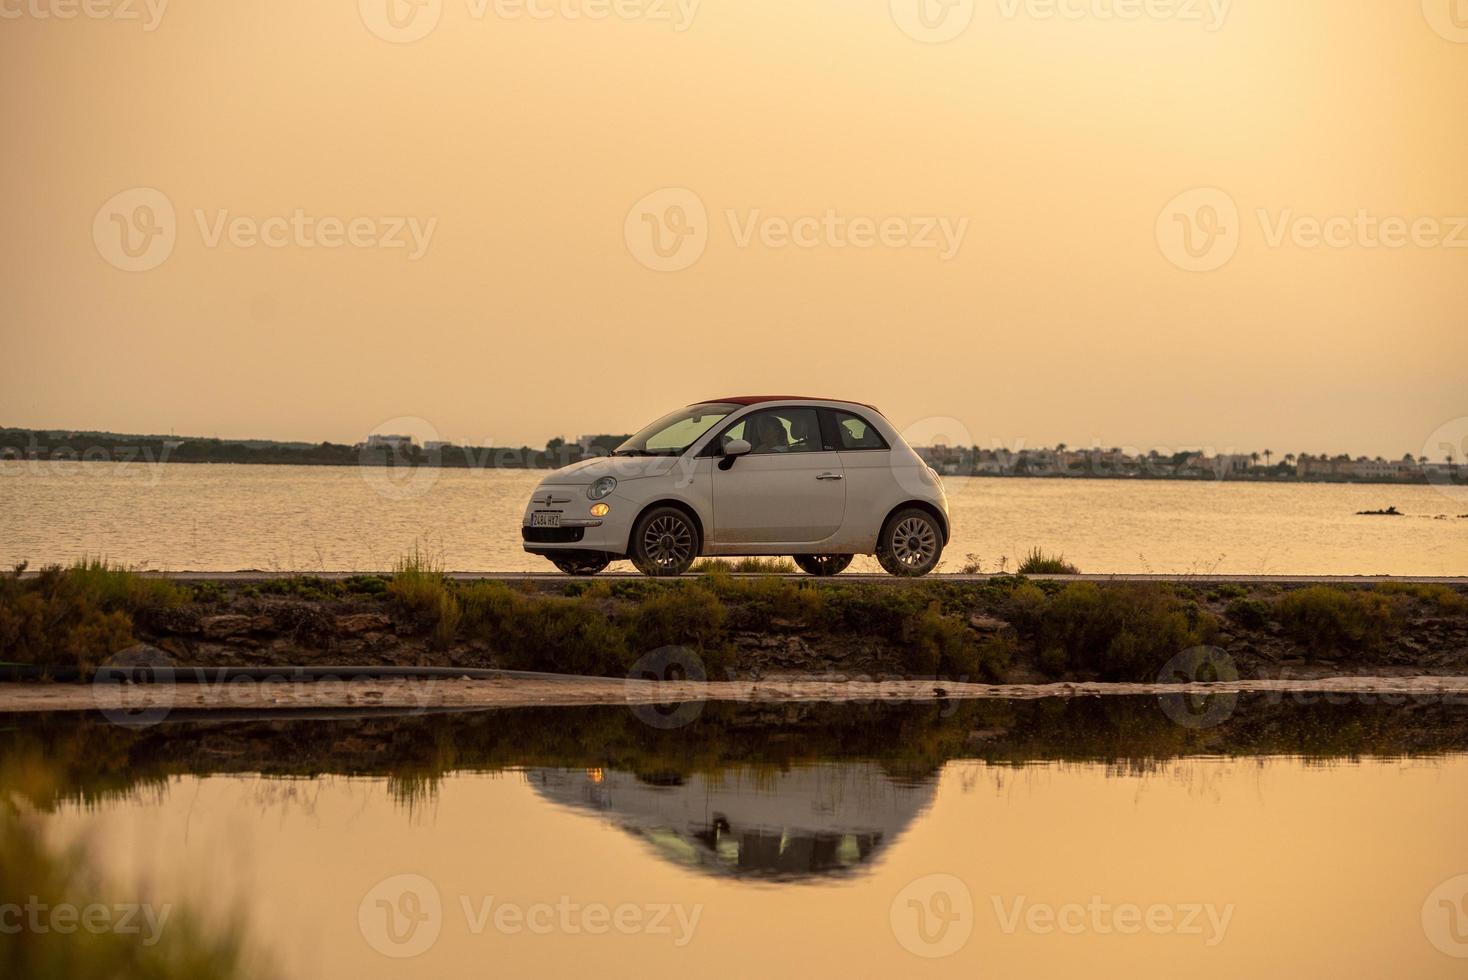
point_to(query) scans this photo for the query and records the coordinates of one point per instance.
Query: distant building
(389, 442)
(1226, 464)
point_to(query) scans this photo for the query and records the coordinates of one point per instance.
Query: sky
(1181, 223)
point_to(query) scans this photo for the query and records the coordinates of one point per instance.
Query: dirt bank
(1006, 630)
(465, 694)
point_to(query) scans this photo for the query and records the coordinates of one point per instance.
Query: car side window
(782, 430)
(854, 432)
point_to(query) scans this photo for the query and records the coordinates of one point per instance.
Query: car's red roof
(756, 399)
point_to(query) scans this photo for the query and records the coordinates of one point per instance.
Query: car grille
(552, 535)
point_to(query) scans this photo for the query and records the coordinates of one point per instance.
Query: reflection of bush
(89, 759)
(37, 873)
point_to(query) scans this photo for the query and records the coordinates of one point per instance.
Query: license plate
(544, 519)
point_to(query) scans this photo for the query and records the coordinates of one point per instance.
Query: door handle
(830, 476)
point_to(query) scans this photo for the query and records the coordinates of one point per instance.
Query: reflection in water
(750, 746)
(1323, 828)
(815, 820)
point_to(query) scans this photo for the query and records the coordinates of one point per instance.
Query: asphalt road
(865, 578)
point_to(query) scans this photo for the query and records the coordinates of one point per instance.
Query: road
(550, 578)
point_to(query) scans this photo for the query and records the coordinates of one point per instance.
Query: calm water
(205, 517)
(1040, 839)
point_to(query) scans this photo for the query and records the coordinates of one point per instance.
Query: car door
(788, 489)
(871, 485)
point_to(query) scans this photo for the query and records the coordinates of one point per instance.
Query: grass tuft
(744, 566)
(1039, 563)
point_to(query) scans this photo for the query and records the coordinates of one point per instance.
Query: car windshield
(672, 434)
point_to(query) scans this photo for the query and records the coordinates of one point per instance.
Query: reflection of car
(801, 823)
(818, 479)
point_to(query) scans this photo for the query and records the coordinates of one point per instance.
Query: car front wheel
(823, 564)
(664, 542)
(911, 543)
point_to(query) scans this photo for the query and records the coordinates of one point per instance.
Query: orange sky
(976, 230)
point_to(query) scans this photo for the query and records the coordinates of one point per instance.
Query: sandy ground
(466, 694)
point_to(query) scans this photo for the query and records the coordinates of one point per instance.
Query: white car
(819, 479)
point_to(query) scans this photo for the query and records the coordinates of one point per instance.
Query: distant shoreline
(546, 463)
(62, 447)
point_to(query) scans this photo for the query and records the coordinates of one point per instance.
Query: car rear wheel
(823, 564)
(664, 542)
(911, 543)
(580, 566)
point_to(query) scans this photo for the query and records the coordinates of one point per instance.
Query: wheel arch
(674, 502)
(932, 510)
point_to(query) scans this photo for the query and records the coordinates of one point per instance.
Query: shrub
(1447, 600)
(688, 615)
(764, 598)
(1039, 563)
(420, 589)
(53, 620)
(208, 593)
(536, 632)
(364, 585)
(116, 587)
(1121, 632)
(1329, 620)
(1248, 613)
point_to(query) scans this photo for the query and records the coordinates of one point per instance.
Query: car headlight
(602, 488)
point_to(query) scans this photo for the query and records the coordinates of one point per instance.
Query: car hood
(621, 467)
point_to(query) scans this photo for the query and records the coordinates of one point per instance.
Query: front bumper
(605, 535)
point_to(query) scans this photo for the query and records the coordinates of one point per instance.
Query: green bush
(116, 587)
(943, 645)
(1248, 613)
(535, 632)
(689, 615)
(1328, 620)
(53, 620)
(1121, 632)
(421, 590)
(1446, 600)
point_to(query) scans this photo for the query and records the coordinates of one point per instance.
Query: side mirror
(733, 449)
